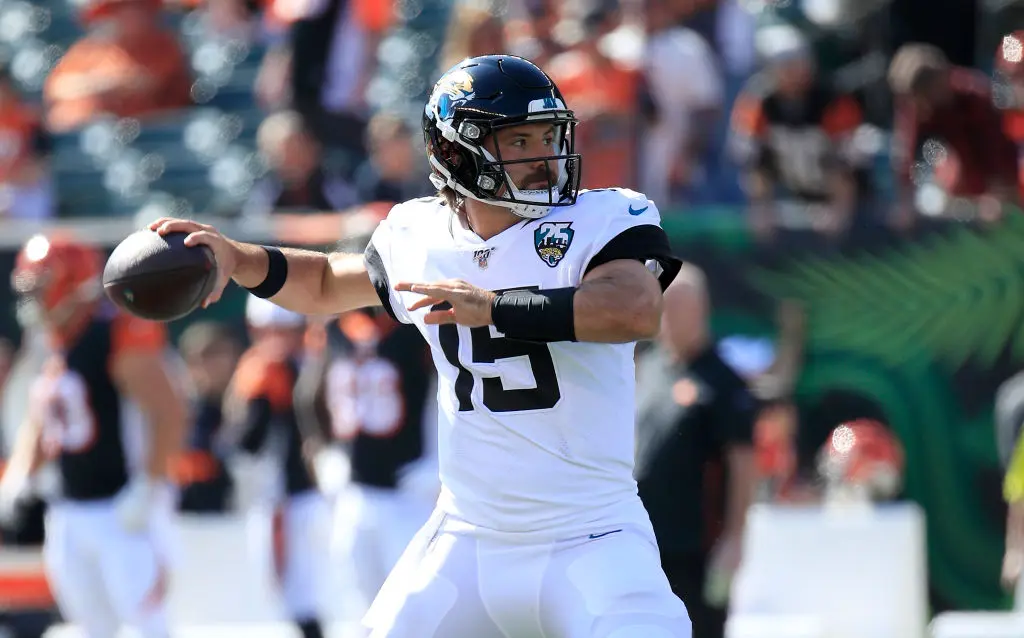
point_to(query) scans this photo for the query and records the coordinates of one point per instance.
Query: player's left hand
(470, 306)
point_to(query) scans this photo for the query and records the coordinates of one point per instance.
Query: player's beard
(539, 180)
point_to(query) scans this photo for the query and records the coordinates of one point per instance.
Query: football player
(531, 295)
(373, 381)
(862, 460)
(105, 409)
(260, 422)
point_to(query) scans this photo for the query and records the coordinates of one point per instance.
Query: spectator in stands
(1010, 69)
(605, 94)
(26, 188)
(324, 66)
(695, 459)
(211, 351)
(945, 115)
(530, 30)
(297, 180)
(392, 173)
(793, 136)
(475, 28)
(127, 65)
(675, 144)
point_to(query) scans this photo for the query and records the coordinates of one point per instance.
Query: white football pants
(292, 534)
(104, 577)
(372, 527)
(455, 581)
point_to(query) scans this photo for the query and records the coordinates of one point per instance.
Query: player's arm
(259, 389)
(1013, 493)
(141, 373)
(1013, 559)
(617, 302)
(906, 138)
(310, 404)
(305, 281)
(26, 457)
(316, 283)
(27, 453)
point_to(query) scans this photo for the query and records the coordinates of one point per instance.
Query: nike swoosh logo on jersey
(636, 211)
(603, 534)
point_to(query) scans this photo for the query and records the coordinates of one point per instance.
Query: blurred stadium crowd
(830, 118)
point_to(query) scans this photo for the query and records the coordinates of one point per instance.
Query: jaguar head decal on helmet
(480, 97)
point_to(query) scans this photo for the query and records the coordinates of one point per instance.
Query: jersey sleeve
(635, 232)
(379, 265)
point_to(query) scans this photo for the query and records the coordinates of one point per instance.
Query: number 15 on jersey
(487, 348)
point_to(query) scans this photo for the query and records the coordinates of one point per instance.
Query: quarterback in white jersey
(531, 295)
(551, 450)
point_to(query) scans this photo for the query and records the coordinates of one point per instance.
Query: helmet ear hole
(449, 153)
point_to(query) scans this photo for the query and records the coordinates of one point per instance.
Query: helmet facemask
(466, 165)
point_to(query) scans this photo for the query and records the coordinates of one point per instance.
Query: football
(158, 277)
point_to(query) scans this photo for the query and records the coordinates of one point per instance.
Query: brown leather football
(158, 277)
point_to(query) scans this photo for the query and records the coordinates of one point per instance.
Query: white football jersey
(532, 437)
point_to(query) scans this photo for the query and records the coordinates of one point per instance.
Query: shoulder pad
(415, 211)
(615, 201)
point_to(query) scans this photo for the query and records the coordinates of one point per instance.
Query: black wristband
(277, 273)
(535, 315)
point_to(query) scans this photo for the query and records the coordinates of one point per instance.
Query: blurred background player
(861, 462)
(375, 383)
(260, 423)
(210, 351)
(695, 455)
(105, 409)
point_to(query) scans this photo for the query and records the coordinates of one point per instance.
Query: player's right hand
(225, 251)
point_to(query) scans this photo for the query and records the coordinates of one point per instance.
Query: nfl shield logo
(552, 241)
(481, 256)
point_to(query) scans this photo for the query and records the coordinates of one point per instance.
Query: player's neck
(487, 220)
